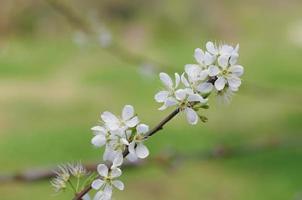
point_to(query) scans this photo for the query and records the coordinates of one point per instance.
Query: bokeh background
(55, 79)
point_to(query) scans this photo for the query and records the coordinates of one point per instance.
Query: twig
(114, 49)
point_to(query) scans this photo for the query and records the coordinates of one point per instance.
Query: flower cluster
(118, 134)
(216, 71)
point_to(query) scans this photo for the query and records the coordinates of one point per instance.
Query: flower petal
(180, 94)
(118, 161)
(184, 80)
(141, 151)
(236, 70)
(97, 184)
(177, 80)
(107, 192)
(199, 56)
(223, 61)
(208, 58)
(132, 122)
(98, 130)
(166, 80)
(115, 172)
(102, 170)
(98, 140)
(118, 184)
(128, 112)
(142, 128)
(161, 96)
(192, 116)
(170, 102)
(196, 97)
(108, 117)
(205, 88)
(211, 48)
(220, 83)
(234, 82)
(213, 70)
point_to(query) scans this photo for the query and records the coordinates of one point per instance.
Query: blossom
(105, 184)
(189, 99)
(127, 120)
(167, 96)
(137, 149)
(58, 184)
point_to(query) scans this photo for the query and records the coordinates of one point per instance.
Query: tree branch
(126, 152)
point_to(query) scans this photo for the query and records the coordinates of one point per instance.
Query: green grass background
(52, 92)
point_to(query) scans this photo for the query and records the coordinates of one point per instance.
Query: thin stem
(78, 183)
(72, 186)
(157, 128)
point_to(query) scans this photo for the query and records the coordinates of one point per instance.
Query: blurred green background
(54, 84)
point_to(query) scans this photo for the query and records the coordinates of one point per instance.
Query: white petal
(124, 141)
(234, 82)
(203, 74)
(208, 58)
(86, 197)
(118, 184)
(220, 83)
(131, 147)
(142, 128)
(107, 192)
(233, 59)
(161, 96)
(170, 102)
(196, 97)
(180, 94)
(177, 80)
(115, 172)
(98, 130)
(132, 157)
(192, 116)
(98, 140)
(108, 117)
(205, 88)
(118, 161)
(97, 184)
(132, 122)
(102, 170)
(166, 80)
(184, 80)
(211, 48)
(199, 55)
(236, 70)
(223, 61)
(128, 112)
(141, 151)
(213, 70)
(99, 195)
(163, 107)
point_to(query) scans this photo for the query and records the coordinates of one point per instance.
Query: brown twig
(157, 128)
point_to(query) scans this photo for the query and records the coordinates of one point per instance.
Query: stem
(151, 132)
(72, 186)
(78, 183)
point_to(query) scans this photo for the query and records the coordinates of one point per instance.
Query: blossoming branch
(215, 72)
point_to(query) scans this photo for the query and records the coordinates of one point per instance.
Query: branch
(114, 49)
(126, 152)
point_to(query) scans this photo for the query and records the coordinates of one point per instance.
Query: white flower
(203, 58)
(128, 119)
(167, 96)
(136, 148)
(189, 98)
(107, 181)
(229, 75)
